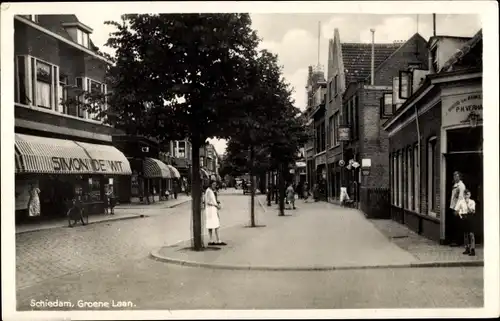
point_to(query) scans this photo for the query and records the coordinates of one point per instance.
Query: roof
(469, 45)
(54, 24)
(357, 58)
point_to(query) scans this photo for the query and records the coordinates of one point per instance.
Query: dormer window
(79, 32)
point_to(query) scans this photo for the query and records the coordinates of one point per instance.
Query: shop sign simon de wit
(86, 165)
(459, 109)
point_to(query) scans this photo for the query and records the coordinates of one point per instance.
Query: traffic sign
(341, 162)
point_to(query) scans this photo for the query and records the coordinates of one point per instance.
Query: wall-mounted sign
(86, 165)
(456, 109)
(344, 133)
(366, 162)
(365, 171)
(320, 160)
(341, 162)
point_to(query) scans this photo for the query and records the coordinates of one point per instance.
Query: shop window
(431, 173)
(95, 189)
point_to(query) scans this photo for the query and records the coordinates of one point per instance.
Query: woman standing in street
(290, 196)
(212, 215)
(457, 194)
(34, 201)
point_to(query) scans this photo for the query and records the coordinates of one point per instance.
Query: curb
(89, 223)
(180, 203)
(158, 257)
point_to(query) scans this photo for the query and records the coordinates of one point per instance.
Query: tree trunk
(269, 188)
(252, 188)
(196, 195)
(281, 190)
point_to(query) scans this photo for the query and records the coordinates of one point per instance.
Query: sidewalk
(316, 236)
(122, 212)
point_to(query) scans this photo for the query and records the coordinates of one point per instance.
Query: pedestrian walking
(212, 219)
(290, 196)
(306, 193)
(110, 200)
(34, 201)
(175, 189)
(466, 208)
(453, 219)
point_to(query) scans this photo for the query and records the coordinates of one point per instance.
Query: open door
(471, 167)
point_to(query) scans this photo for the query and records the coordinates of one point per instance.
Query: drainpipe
(373, 58)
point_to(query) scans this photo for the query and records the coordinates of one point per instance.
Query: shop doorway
(465, 155)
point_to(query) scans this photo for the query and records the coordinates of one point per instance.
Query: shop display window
(94, 189)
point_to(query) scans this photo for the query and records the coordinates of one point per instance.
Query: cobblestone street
(110, 261)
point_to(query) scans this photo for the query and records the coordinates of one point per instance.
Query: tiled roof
(357, 58)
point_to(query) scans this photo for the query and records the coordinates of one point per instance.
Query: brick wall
(399, 60)
(374, 141)
(430, 125)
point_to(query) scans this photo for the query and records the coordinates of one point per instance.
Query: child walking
(466, 208)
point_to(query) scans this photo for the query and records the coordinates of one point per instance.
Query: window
(331, 132)
(322, 136)
(202, 163)
(416, 178)
(336, 124)
(410, 185)
(431, 173)
(181, 149)
(400, 179)
(386, 106)
(355, 119)
(405, 78)
(330, 90)
(86, 84)
(82, 38)
(62, 93)
(336, 84)
(36, 82)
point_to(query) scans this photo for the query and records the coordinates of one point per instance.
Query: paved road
(110, 261)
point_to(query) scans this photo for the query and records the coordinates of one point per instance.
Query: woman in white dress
(34, 201)
(212, 215)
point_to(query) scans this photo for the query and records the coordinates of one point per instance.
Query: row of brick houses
(64, 150)
(362, 117)
(346, 117)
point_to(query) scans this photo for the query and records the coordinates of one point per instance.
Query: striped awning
(155, 168)
(174, 172)
(34, 154)
(204, 174)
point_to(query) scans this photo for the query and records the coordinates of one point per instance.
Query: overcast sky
(294, 37)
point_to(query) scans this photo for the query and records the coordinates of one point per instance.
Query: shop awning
(174, 172)
(34, 154)
(155, 168)
(204, 174)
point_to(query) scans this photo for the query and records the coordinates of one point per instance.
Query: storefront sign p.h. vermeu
(462, 109)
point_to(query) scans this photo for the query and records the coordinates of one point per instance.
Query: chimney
(372, 82)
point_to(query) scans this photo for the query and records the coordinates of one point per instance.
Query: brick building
(436, 130)
(62, 149)
(355, 115)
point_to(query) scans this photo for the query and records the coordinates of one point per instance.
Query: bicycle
(76, 213)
